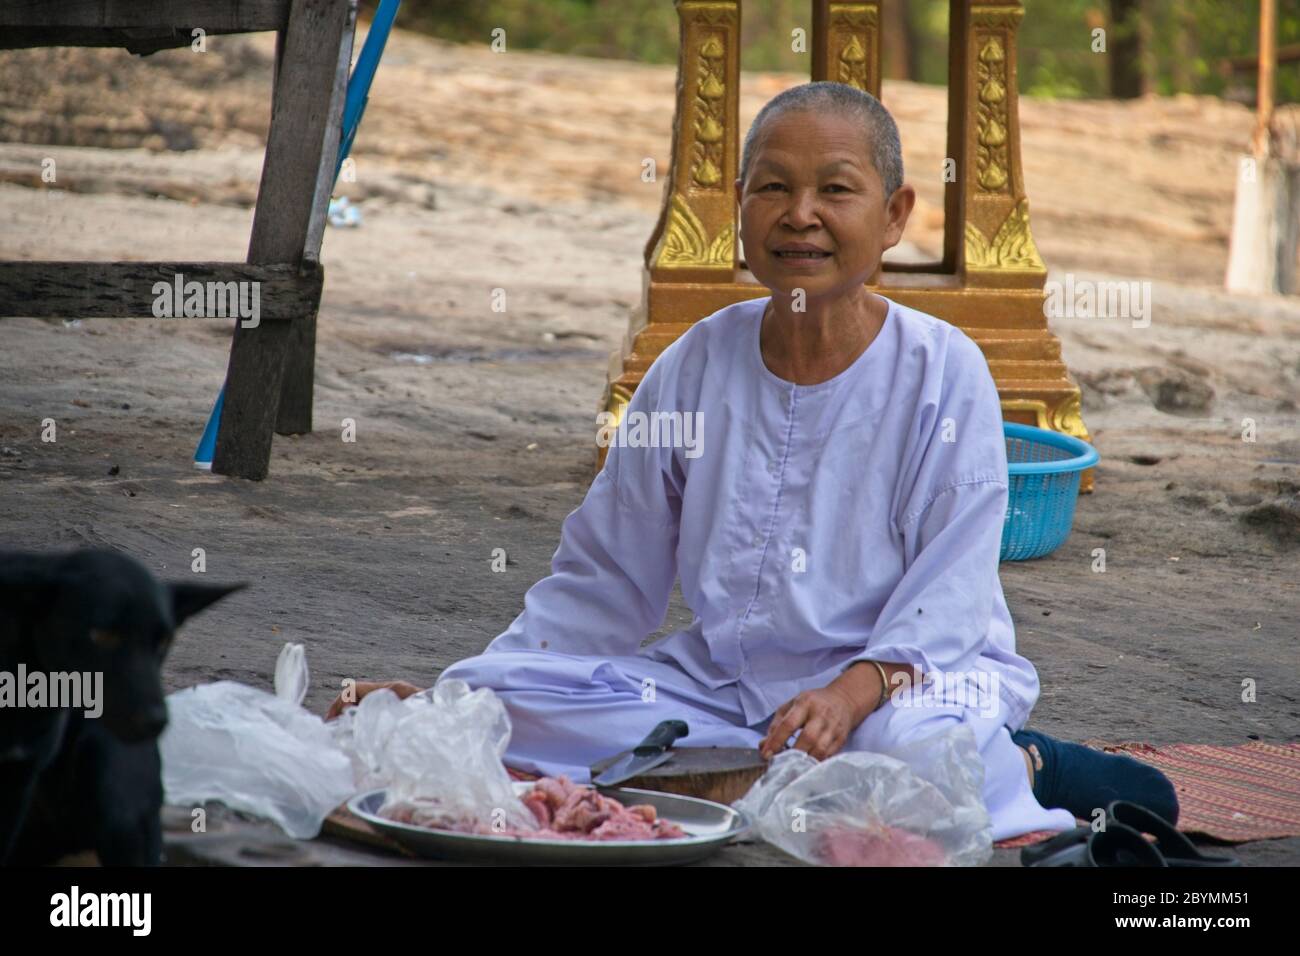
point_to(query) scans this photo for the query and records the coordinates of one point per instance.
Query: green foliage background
(1187, 40)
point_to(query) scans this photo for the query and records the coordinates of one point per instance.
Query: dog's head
(104, 612)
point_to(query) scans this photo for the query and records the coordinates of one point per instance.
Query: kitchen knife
(650, 753)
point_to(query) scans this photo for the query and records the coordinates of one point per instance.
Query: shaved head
(879, 131)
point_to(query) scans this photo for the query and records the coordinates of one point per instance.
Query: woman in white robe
(820, 525)
(825, 472)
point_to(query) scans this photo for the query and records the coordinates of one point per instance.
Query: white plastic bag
(921, 807)
(291, 674)
(440, 753)
(256, 752)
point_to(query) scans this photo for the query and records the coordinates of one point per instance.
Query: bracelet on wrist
(884, 687)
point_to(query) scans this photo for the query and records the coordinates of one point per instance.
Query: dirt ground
(474, 428)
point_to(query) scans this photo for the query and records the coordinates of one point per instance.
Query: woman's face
(813, 214)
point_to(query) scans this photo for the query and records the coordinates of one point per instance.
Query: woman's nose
(801, 210)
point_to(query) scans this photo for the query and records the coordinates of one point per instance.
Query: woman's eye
(770, 186)
(838, 186)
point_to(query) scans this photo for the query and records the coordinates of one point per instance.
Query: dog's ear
(189, 599)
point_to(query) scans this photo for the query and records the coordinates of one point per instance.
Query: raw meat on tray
(565, 810)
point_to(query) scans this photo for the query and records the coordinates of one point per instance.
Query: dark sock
(1081, 779)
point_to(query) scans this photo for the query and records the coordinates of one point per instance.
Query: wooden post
(142, 26)
(1265, 227)
(298, 153)
(300, 354)
(1267, 69)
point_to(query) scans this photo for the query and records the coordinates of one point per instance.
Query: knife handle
(661, 738)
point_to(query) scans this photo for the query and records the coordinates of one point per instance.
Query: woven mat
(1231, 794)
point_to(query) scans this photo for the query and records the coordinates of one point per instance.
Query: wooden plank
(141, 26)
(299, 376)
(239, 16)
(275, 293)
(139, 40)
(1286, 53)
(296, 146)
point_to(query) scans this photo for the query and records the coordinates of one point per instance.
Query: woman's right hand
(401, 688)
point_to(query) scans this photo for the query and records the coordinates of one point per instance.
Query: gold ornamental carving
(853, 42)
(696, 228)
(1011, 249)
(1002, 17)
(992, 165)
(686, 243)
(616, 404)
(710, 107)
(1067, 418)
(617, 398)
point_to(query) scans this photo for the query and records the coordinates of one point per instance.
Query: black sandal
(1117, 845)
(1172, 845)
(1036, 852)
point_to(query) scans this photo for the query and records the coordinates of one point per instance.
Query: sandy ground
(520, 171)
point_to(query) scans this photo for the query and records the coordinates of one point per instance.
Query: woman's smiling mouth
(801, 258)
(800, 253)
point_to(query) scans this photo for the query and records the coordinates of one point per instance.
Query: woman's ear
(897, 210)
(740, 223)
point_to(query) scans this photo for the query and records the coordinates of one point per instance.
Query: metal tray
(710, 826)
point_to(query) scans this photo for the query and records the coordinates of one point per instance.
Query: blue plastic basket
(1044, 468)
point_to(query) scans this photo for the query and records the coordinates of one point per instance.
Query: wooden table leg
(297, 386)
(297, 382)
(297, 177)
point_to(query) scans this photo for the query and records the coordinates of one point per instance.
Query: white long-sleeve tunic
(810, 525)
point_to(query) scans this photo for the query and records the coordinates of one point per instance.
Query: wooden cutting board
(344, 824)
(720, 774)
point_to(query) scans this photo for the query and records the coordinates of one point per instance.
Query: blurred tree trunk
(1124, 49)
(898, 34)
(786, 17)
(1182, 77)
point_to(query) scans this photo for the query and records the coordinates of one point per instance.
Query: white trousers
(569, 712)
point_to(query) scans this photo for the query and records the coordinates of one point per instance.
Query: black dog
(86, 776)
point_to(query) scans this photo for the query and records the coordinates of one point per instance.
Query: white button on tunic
(811, 526)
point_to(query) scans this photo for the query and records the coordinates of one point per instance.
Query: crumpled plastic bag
(439, 753)
(256, 752)
(922, 806)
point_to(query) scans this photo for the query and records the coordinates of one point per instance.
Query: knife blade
(648, 754)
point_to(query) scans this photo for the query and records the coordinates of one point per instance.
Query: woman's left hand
(825, 717)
